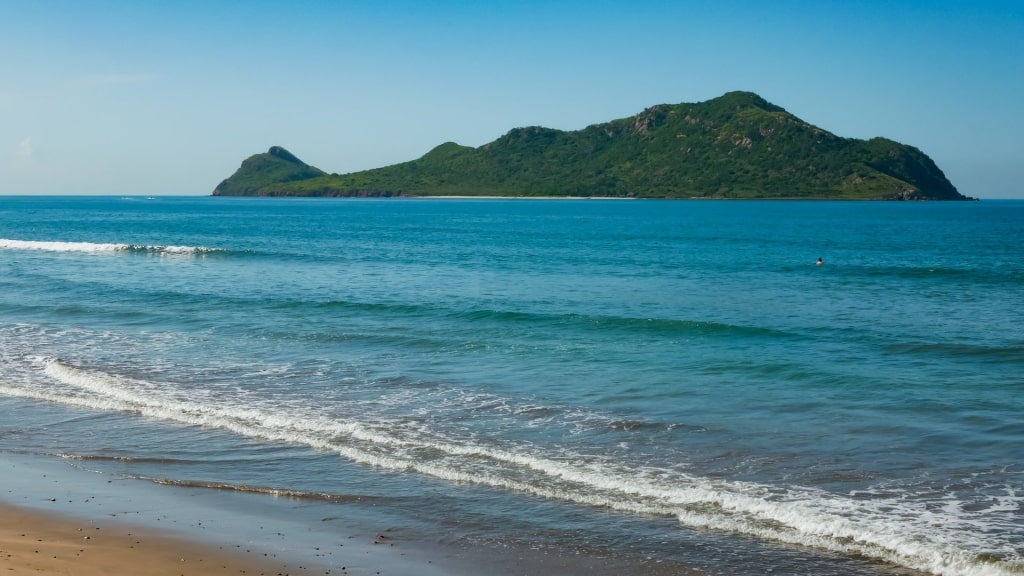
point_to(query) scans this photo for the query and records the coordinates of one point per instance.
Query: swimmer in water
(820, 262)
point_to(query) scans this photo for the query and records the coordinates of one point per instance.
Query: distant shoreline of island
(696, 198)
(400, 197)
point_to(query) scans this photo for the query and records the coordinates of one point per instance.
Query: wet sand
(58, 519)
(32, 542)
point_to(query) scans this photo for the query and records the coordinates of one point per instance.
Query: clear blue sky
(160, 98)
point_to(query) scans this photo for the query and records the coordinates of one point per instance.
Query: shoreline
(36, 541)
(58, 518)
(400, 196)
(449, 197)
(208, 532)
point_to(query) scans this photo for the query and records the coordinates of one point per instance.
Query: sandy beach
(32, 542)
(58, 519)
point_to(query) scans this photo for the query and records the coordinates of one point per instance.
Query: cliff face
(734, 146)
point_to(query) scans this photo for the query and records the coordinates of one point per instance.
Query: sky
(119, 97)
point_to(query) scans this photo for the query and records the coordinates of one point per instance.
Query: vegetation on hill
(274, 168)
(734, 146)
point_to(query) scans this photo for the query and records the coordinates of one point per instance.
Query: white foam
(945, 541)
(61, 246)
(99, 248)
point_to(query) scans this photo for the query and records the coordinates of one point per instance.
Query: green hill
(274, 168)
(734, 146)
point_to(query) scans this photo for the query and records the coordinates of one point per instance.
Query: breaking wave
(100, 248)
(893, 528)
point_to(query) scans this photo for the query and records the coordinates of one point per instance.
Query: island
(736, 146)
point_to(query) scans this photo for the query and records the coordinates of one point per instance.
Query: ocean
(673, 385)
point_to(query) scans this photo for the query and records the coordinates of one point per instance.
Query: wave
(99, 248)
(126, 459)
(945, 539)
(1013, 353)
(995, 275)
(606, 322)
(265, 490)
(277, 492)
(514, 319)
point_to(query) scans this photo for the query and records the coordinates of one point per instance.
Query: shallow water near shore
(663, 383)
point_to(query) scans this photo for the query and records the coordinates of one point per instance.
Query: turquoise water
(670, 382)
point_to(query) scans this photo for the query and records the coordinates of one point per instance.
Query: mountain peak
(279, 152)
(741, 99)
(275, 165)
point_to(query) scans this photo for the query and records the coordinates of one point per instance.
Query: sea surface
(670, 383)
